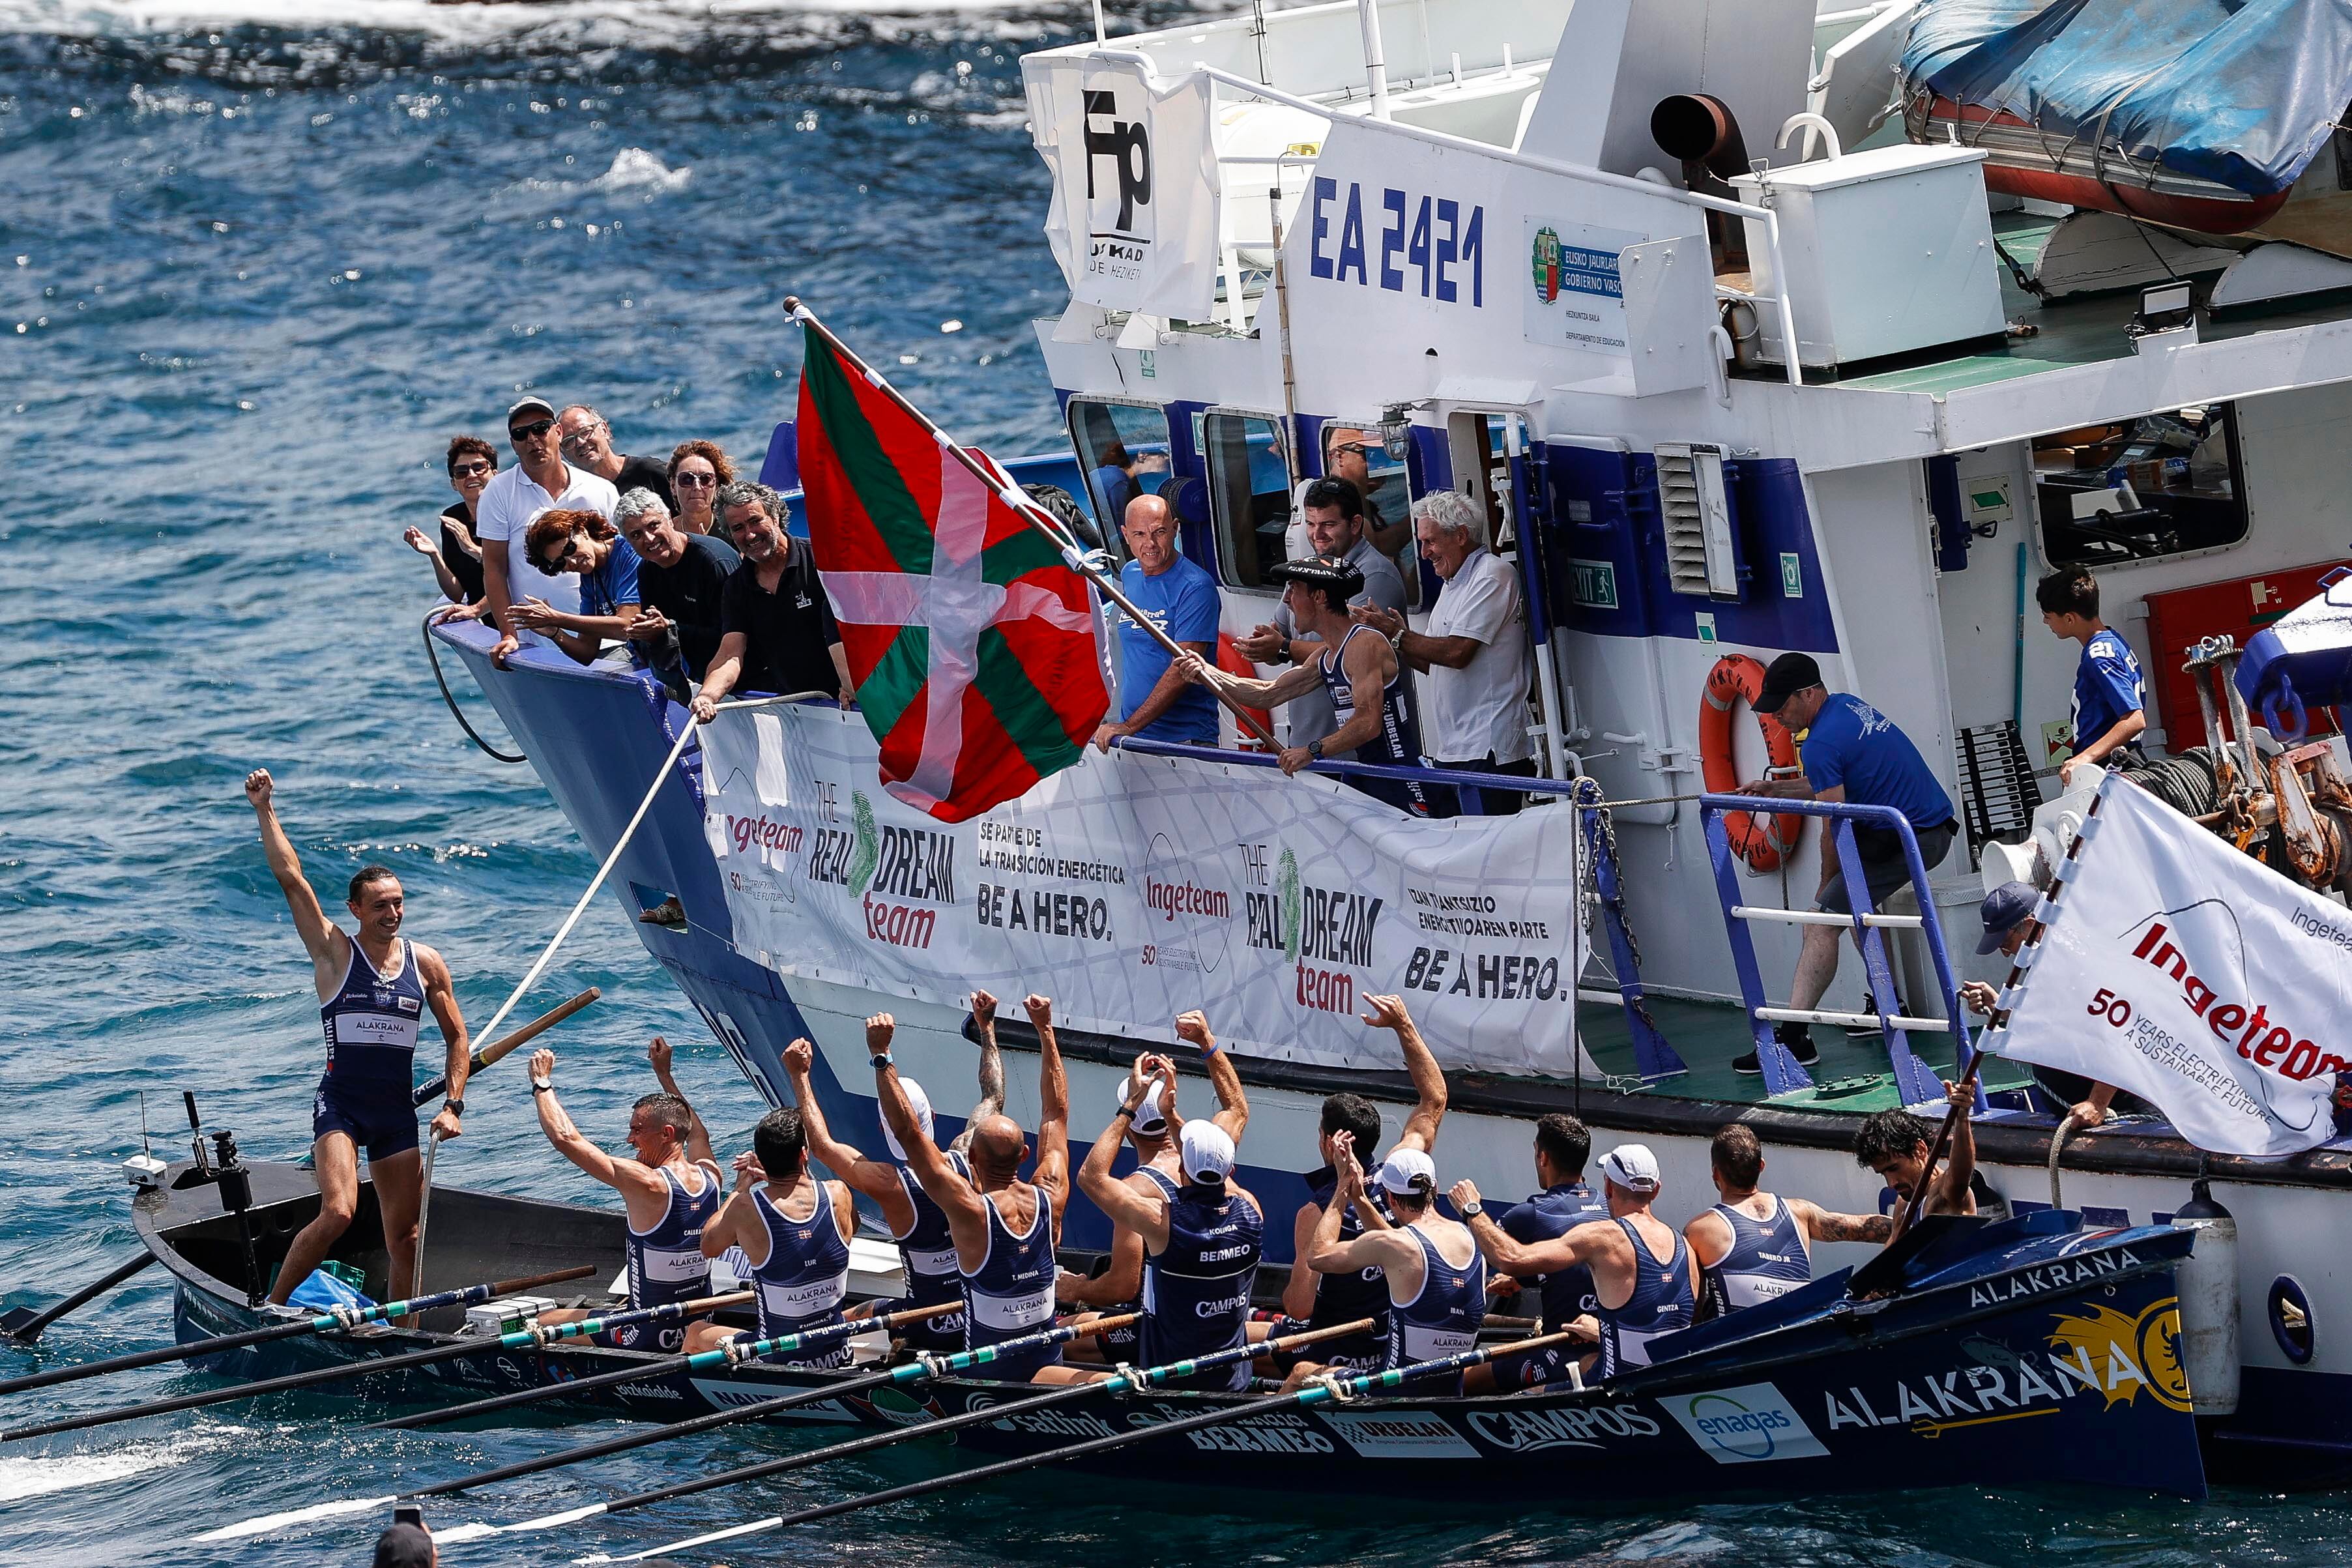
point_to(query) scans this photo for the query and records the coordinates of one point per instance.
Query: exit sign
(1596, 584)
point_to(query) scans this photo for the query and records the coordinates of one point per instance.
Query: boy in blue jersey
(1852, 752)
(2109, 711)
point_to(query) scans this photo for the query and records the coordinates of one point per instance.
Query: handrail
(1579, 172)
(1338, 767)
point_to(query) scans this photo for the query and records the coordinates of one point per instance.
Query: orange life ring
(1230, 660)
(1762, 839)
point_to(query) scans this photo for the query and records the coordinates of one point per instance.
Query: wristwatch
(1314, 749)
(454, 1105)
(880, 1062)
(542, 1085)
(1473, 1210)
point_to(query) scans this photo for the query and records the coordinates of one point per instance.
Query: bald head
(1150, 529)
(997, 1147)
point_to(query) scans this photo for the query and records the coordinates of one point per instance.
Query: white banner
(2193, 977)
(1131, 887)
(1134, 215)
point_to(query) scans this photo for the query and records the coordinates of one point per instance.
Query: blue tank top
(1119, 1343)
(805, 1279)
(1767, 1258)
(1567, 1293)
(1398, 739)
(1661, 1303)
(1344, 1298)
(1012, 1292)
(928, 1247)
(372, 1022)
(666, 1263)
(1196, 1292)
(1443, 1320)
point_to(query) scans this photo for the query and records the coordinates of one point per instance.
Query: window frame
(1114, 537)
(2235, 444)
(1221, 542)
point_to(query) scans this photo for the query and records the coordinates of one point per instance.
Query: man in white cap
(1436, 1279)
(1642, 1281)
(541, 481)
(926, 1249)
(1116, 1287)
(1201, 1242)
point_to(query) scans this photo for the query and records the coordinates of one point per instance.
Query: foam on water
(38, 1477)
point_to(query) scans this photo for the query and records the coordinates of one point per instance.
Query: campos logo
(1745, 1426)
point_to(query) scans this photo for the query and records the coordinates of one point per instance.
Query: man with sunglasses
(539, 481)
(588, 444)
(1347, 455)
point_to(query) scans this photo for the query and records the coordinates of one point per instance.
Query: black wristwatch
(1314, 749)
(879, 1062)
(1473, 1210)
(454, 1105)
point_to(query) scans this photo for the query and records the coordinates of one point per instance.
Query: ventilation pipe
(1699, 131)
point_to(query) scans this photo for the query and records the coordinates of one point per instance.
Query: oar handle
(581, 1328)
(915, 1314)
(499, 1048)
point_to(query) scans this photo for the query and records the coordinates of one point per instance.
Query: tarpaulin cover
(2241, 92)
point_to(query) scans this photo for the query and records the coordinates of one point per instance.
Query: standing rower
(374, 991)
(795, 1231)
(671, 1190)
(1436, 1279)
(1754, 1245)
(926, 1249)
(1005, 1229)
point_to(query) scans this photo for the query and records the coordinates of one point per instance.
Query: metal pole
(1376, 67)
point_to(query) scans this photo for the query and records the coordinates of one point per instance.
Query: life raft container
(1763, 840)
(1230, 660)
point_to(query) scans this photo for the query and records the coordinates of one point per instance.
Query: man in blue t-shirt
(1155, 700)
(1567, 1201)
(2109, 709)
(1852, 753)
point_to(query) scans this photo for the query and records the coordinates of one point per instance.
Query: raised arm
(1821, 1224)
(1329, 1255)
(991, 1068)
(624, 1176)
(329, 948)
(737, 1217)
(957, 1198)
(1505, 1251)
(698, 1136)
(1052, 1168)
(1292, 682)
(456, 1054)
(1428, 1083)
(1298, 1291)
(871, 1177)
(1125, 1207)
(1950, 1192)
(1232, 1101)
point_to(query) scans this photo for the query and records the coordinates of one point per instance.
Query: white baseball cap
(530, 403)
(1632, 1167)
(1208, 1154)
(1148, 1119)
(1409, 1171)
(918, 1102)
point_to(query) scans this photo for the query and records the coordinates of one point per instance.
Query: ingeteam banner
(2195, 978)
(1132, 888)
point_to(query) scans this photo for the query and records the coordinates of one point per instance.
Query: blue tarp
(2241, 92)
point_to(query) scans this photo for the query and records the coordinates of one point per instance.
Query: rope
(433, 657)
(2057, 1142)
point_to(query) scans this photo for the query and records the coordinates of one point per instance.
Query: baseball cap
(1148, 1119)
(1321, 572)
(1632, 1167)
(1784, 677)
(920, 1103)
(1208, 1154)
(403, 1546)
(1408, 1171)
(2006, 908)
(540, 404)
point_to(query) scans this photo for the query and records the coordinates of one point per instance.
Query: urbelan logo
(1126, 143)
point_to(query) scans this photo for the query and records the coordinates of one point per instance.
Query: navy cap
(1784, 677)
(2006, 908)
(1322, 572)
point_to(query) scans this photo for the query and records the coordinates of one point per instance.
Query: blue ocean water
(257, 263)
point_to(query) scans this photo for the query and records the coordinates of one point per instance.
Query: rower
(1894, 1143)
(1753, 1245)
(795, 1231)
(1004, 1229)
(374, 988)
(1156, 1173)
(1642, 1282)
(1201, 1242)
(671, 1190)
(925, 1249)
(1315, 1300)
(1562, 1145)
(1436, 1279)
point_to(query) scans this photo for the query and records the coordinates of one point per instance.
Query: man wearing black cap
(405, 1545)
(1357, 668)
(1852, 753)
(2009, 924)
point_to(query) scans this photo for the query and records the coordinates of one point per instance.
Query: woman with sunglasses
(584, 543)
(457, 558)
(697, 470)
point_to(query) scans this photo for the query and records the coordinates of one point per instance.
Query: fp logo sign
(1125, 145)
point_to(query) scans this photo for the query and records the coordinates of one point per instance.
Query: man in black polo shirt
(681, 579)
(776, 628)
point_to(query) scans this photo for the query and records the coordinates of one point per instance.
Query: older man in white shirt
(1475, 652)
(541, 481)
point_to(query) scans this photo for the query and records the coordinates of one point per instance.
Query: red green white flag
(970, 642)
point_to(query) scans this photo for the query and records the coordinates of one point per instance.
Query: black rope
(433, 657)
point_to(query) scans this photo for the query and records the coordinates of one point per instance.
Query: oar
(24, 1325)
(325, 1323)
(915, 1370)
(522, 1339)
(1320, 1392)
(700, 1361)
(1131, 1379)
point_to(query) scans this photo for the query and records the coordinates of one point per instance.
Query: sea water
(258, 260)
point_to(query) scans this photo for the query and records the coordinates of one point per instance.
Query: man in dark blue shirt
(1562, 1145)
(1852, 753)
(2109, 709)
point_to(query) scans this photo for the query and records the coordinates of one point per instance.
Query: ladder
(1654, 1058)
(1914, 1081)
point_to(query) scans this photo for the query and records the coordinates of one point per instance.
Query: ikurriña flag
(970, 642)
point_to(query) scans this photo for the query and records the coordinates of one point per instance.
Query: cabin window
(1123, 447)
(1354, 450)
(1249, 495)
(2141, 489)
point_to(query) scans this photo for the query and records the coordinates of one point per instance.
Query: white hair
(1449, 511)
(636, 504)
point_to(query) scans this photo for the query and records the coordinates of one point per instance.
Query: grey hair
(748, 492)
(635, 504)
(593, 417)
(1450, 511)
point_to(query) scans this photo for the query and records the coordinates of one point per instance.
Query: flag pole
(1035, 516)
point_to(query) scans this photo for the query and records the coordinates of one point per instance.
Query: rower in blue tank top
(1755, 1246)
(795, 1231)
(1562, 1144)
(671, 1190)
(1436, 1280)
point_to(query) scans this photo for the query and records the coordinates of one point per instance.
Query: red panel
(2239, 608)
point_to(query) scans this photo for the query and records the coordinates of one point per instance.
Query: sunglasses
(467, 471)
(552, 563)
(1361, 448)
(695, 481)
(536, 430)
